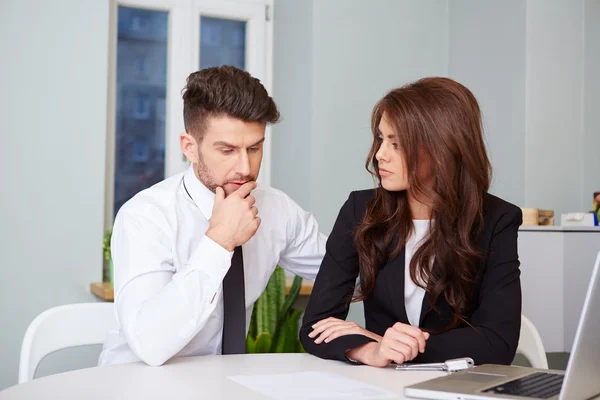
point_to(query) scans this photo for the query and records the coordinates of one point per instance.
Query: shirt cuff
(210, 259)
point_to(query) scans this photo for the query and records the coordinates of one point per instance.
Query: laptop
(580, 381)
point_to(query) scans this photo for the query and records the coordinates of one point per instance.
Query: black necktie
(234, 306)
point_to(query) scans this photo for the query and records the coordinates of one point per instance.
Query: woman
(435, 255)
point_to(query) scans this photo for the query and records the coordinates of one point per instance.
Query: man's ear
(189, 146)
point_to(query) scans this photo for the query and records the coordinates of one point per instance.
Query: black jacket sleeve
(334, 287)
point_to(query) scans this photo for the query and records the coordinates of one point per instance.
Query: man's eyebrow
(225, 144)
(257, 143)
(233, 146)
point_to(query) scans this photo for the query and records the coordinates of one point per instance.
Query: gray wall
(342, 71)
(487, 54)
(591, 103)
(554, 103)
(52, 149)
(523, 59)
(292, 83)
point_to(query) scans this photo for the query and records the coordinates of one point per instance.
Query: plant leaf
(263, 343)
(273, 290)
(291, 332)
(261, 312)
(250, 345)
(252, 329)
(280, 276)
(289, 302)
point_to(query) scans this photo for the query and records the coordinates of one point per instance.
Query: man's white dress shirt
(168, 274)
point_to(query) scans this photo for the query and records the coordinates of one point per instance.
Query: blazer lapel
(440, 318)
(394, 279)
(424, 309)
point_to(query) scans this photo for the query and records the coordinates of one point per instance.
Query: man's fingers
(250, 200)
(245, 189)
(219, 195)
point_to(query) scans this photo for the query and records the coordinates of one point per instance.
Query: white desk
(198, 378)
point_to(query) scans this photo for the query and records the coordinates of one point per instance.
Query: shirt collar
(204, 198)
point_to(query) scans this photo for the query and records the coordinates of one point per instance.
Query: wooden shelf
(104, 290)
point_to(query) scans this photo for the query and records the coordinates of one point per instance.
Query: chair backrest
(62, 327)
(531, 345)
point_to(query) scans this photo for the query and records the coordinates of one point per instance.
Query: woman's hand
(400, 343)
(331, 328)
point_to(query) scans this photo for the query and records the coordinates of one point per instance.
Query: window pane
(222, 42)
(141, 92)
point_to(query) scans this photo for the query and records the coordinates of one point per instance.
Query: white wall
(591, 103)
(487, 54)
(52, 150)
(554, 104)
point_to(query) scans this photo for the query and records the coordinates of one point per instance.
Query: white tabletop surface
(199, 378)
(559, 228)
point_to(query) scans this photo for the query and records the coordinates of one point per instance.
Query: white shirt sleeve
(160, 310)
(305, 244)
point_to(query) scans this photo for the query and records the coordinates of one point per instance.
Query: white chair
(63, 327)
(531, 346)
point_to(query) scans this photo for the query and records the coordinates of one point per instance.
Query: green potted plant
(274, 323)
(106, 252)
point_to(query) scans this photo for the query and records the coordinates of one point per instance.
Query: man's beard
(207, 179)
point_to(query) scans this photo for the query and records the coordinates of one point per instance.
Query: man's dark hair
(225, 91)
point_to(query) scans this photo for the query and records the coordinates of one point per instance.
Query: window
(142, 36)
(155, 45)
(222, 42)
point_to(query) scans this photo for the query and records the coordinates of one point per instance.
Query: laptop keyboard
(540, 385)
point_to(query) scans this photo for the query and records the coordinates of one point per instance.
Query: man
(193, 253)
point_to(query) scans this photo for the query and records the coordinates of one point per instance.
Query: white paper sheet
(313, 385)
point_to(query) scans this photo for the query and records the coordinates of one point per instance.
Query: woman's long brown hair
(437, 122)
